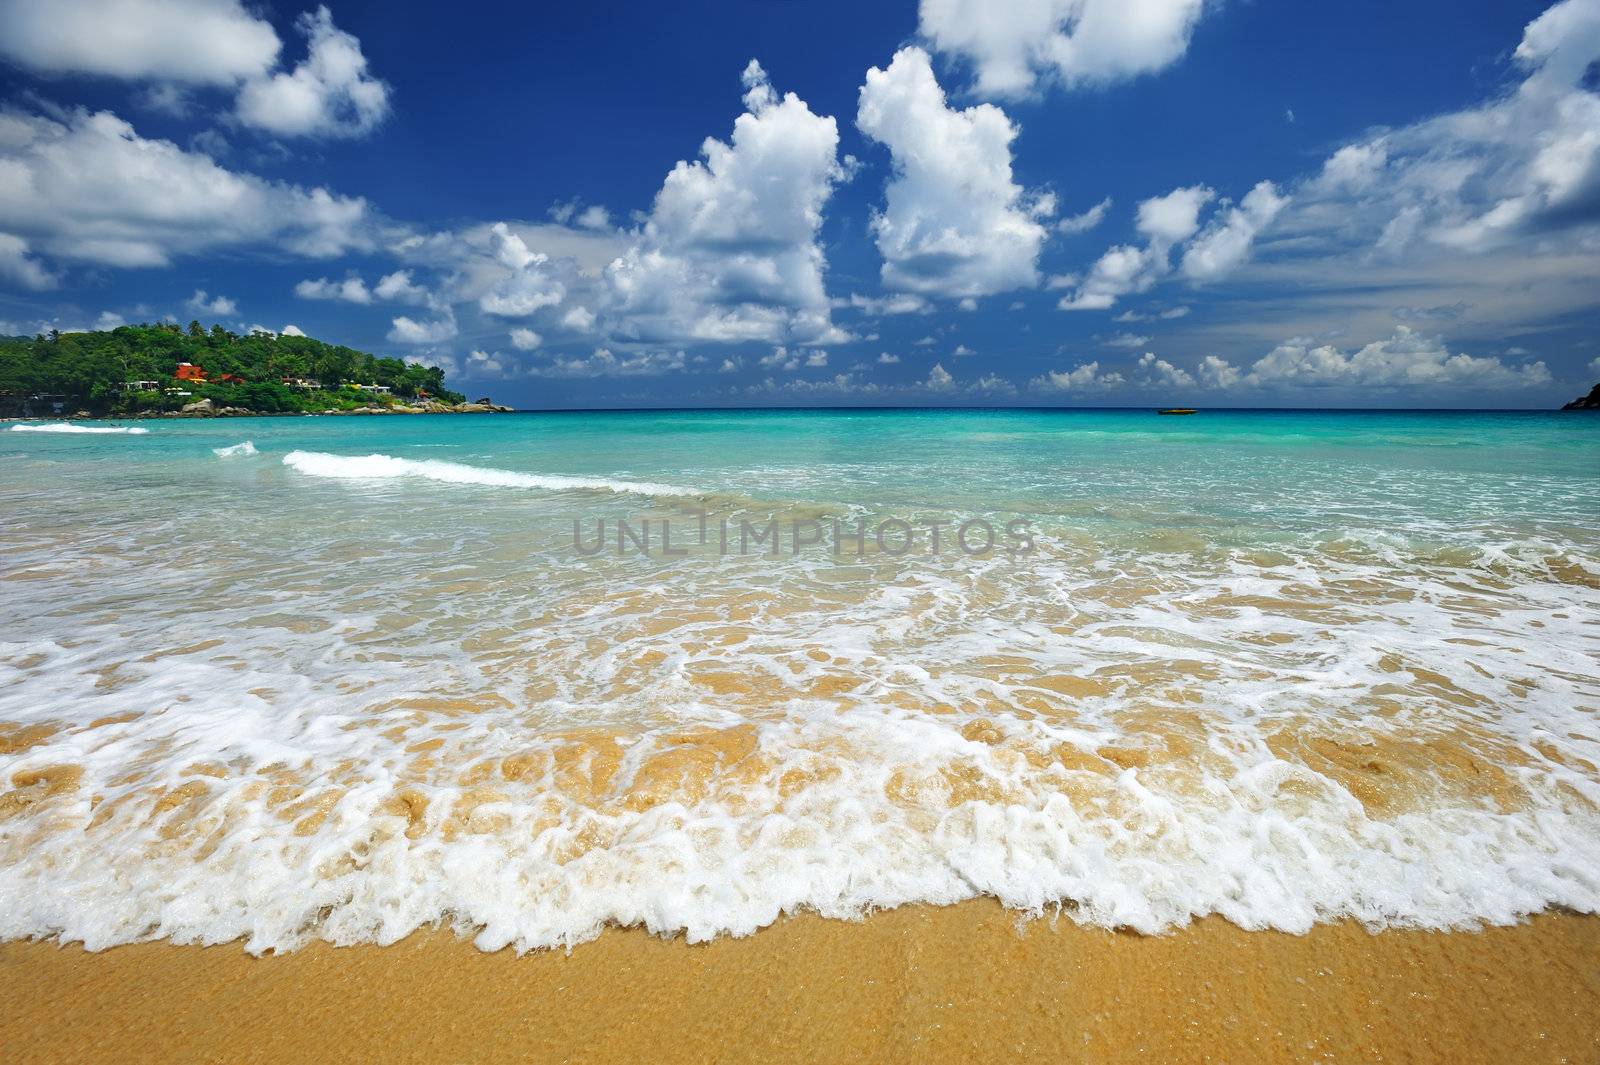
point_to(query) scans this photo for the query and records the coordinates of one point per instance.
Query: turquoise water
(1249, 473)
(338, 677)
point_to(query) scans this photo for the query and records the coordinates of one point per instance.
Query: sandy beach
(350, 681)
(962, 983)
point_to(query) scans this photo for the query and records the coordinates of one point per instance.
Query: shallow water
(360, 676)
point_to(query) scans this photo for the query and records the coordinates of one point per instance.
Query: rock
(1589, 402)
(199, 406)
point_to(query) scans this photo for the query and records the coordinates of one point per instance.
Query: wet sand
(962, 983)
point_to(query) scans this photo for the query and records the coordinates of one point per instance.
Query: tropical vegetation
(136, 369)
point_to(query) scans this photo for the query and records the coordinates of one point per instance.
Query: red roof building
(188, 371)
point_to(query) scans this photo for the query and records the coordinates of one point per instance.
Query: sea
(527, 676)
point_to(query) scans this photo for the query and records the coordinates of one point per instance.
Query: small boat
(1178, 410)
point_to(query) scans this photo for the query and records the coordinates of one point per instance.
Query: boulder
(199, 406)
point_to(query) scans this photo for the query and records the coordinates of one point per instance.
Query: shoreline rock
(204, 408)
(1589, 402)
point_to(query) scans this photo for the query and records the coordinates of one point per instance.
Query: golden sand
(963, 983)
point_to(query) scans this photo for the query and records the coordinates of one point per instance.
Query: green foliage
(93, 369)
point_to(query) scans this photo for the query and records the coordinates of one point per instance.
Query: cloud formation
(729, 251)
(86, 187)
(18, 267)
(1085, 377)
(1225, 243)
(404, 330)
(218, 306)
(1013, 44)
(1170, 222)
(1407, 359)
(329, 94)
(1522, 167)
(396, 287)
(1082, 223)
(200, 42)
(175, 45)
(1164, 221)
(954, 223)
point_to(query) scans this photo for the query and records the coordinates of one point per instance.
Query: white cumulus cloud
(1159, 373)
(1085, 377)
(351, 290)
(1082, 223)
(1013, 43)
(202, 42)
(729, 251)
(20, 268)
(404, 330)
(1225, 243)
(329, 94)
(87, 187)
(954, 222)
(528, 286)
(1519, 168)
(203, 303)
(1407, 359)
(1164, 221)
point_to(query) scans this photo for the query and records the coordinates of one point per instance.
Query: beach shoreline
(971, 982)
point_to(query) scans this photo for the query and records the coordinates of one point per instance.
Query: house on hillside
(377, 390)
(43, 405)
(188, 371)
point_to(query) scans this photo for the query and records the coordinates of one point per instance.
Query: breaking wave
(68, 427)
(236, 451)
(387, 467)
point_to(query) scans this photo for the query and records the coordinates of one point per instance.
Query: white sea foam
(387, 467)
(235, 451)
(578, 774)
(326, 721)
(68, 427)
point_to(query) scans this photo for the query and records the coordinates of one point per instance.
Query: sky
(1223, 203)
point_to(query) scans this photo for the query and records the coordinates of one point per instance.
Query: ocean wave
(714, 831)
(387, 467)
(1372, 697)
(236, 451)
(68, 427)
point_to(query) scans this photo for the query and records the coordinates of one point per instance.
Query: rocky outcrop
(431, 407)
(202, 408)
(1589, 402)
(205, 408)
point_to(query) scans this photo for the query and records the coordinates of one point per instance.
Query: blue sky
(1011, 202)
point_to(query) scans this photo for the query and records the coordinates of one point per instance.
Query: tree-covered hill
(135, 369)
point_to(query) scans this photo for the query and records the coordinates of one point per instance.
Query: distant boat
(1178, 410)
